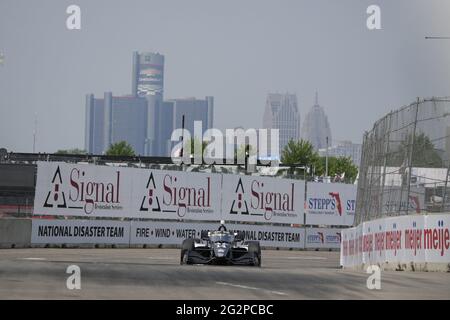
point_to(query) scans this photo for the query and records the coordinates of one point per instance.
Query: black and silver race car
(220, 247)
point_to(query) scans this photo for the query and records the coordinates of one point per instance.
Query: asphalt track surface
(156, 274)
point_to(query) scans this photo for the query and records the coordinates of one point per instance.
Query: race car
(220, 247)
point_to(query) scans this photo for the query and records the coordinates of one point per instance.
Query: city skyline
(144, 119)
(282, 113)
(316, 127)
(238, 59)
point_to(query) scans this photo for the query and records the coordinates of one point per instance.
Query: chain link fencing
(405, 162)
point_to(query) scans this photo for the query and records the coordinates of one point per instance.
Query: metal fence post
(410, 157)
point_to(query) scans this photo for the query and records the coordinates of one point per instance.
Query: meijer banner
(262, 199)
(403, 239)
(330, 204)
(102, 191)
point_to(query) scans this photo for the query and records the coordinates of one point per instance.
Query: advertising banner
(158, 232)
(262, 199)
(77, 231)
(330, 204)
(82, 190)
(102, 191)
(159, 194)
(396, 199)
(323, 238)
(403, 239)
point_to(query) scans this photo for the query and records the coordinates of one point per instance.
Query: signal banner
(82, 190)
(102, 191)
(159, 194)
(403, 239)
(158, 232)
(79, 231)
(330, 204)
(262, 199)
(323, 238)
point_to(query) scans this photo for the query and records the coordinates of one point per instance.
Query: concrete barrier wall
(15, 233)
(407, 243)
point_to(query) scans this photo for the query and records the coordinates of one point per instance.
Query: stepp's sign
(330, 203)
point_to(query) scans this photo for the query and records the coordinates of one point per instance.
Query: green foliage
(71, 151)
(300, 153)
(194, 146)
(423, 154)
(243, 151)
(338, 166)
(121, 148)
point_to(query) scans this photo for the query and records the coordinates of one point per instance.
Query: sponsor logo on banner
(395, 199)
(160, 232)
(173, 193)
(323, 238)
(103, 191)
(413, 205)
(404, 239)
(83, 192)
(262, 199)
(330, 203)
(79, 231)
(315, 238)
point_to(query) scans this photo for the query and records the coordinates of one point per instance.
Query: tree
(300, 153)
(338, 166)
(242, 152)
(423, 154)
(194, 145)
(71, 151)
(121, 148)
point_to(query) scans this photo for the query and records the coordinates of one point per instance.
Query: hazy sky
(234, 50)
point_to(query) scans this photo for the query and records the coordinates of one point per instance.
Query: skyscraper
(282, 113)
(148, 74)
(166, 116)
(193, 110)
(113, 119)
(316, 128)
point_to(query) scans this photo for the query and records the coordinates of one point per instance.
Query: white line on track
(250, 288)
(34, 259)
(307, 258)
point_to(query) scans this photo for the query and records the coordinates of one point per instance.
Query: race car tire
(254, 247)
(186, 247)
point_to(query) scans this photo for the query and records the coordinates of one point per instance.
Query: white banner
(330, 204)
(82, 190)
(403, 239)
(323, 238)
(159, 194)
(102, 191)
(76, 231)
(262, 199)
(153, 232)
(159, 232)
